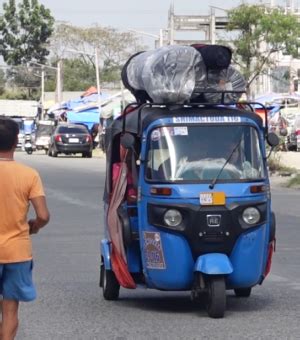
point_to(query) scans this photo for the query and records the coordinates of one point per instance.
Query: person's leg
(9, 319)
(1, 318)
(17, 286)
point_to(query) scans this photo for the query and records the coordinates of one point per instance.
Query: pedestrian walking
(19, 186)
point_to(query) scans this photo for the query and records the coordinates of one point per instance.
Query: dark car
(71, 139)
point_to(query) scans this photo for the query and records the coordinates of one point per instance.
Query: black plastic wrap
(167, 74)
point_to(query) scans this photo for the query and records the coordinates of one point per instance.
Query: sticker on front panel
(181, 131)
(212, 198)
(154, 255)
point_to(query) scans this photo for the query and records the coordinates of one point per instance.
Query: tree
(78, 76)
(261, 33)
(2, 82)
(24, 32)
(114, 47)
(24, 80)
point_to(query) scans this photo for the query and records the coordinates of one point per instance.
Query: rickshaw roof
(132, 123)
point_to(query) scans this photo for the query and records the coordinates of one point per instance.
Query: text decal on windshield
(210, 119)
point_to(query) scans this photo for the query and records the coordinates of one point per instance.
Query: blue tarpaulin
(88, 117)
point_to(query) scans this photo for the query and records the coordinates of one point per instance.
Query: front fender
(213, 264)
(105, 253)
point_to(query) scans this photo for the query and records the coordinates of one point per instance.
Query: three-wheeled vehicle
(187, 202)
(187, 196)
(44, 129)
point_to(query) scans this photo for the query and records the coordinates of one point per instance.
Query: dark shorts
(16, 281)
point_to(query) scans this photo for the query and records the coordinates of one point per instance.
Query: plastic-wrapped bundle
(228, 79)
(166, 75)
(215, 57)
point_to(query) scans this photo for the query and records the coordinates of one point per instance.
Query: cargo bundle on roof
(183, 74)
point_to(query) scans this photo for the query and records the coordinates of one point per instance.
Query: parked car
(71, 139)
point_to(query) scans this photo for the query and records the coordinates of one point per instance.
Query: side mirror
(127, 140)
(283, 132)
(272, 139)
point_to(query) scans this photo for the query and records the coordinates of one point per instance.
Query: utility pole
(161, 37)
(212, 26)
(98, 79)
(58, 95)
(43, 92)
(171, 24)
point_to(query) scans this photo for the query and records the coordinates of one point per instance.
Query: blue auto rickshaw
(187, 202)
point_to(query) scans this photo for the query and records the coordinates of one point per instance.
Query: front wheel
(110, 285)
(216, 299)
(29, 152)
(242, 292)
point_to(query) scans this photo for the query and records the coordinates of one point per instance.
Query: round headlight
(251, 216)
(172, 218)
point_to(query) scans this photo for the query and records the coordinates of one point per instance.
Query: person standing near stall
(19, 186)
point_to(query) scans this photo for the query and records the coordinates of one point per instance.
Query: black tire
(272, 227)
(54, 153)
(29, 152)
(50, 152)
(216, 299)
(110, 285)
(242, 292)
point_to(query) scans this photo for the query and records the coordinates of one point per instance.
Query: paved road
(70, 305)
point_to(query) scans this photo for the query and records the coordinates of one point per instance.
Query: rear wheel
(50, 152)
(216, 299)
(242, 292)
(110, 285)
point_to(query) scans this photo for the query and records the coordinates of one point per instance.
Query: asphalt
(70, 305)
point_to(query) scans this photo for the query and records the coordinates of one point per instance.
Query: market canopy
(89, 117)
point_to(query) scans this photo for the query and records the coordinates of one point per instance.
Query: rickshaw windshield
(198, 153)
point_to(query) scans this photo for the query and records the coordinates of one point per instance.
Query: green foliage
(24, 32)
(78, 76)
(2, 82)
(262, 32)
(294, 181)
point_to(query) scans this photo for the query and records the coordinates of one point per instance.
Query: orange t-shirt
(18, 184)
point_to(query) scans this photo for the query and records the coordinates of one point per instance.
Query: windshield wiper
(214, 181)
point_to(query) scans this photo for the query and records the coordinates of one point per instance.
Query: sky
(145, 15)
(142, 15)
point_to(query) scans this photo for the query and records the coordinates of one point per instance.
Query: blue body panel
(105, 253)
(134, 258)
(248, 259)
(213, 264)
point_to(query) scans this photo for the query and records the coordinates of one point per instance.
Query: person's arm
(42, 214)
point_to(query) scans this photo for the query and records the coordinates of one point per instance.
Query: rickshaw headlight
(251, 216)
(172, 218)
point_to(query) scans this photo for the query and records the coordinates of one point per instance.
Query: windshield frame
(198, 181)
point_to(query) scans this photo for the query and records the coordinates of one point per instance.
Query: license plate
(73, 140)
(212, 198)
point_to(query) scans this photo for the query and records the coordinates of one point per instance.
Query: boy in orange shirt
(19, 185)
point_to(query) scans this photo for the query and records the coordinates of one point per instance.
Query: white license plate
(73, 140)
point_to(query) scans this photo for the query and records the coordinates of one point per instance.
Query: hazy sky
(143, 15)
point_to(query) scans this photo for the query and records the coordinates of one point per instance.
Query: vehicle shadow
(183, 304)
